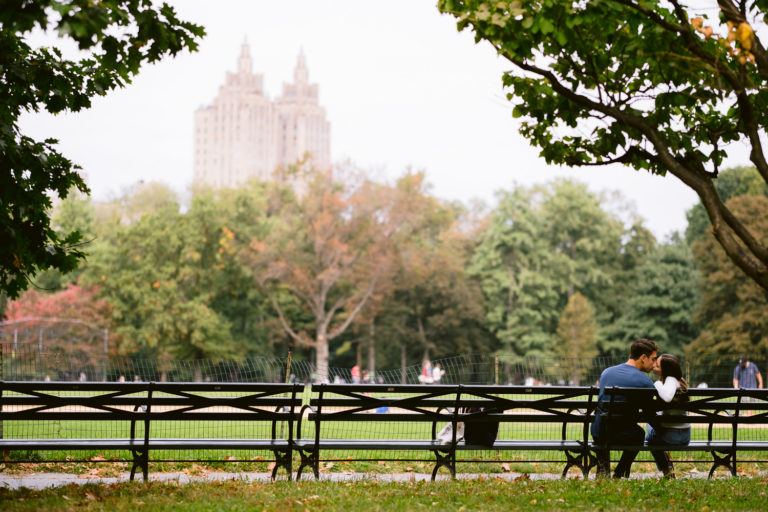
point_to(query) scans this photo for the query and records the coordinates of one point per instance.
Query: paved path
(43, 480)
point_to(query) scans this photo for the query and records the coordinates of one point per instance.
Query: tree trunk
(359, 354)
(198, 372)
(321, 351)
(372, 352)
(403, 368)
(423, 339)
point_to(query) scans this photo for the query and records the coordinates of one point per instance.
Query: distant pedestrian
(437, 373)
(356, 376)
(747, 375)
(426, 372)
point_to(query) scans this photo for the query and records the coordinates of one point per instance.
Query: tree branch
(286, 327)
(343, 327)
(702, 185)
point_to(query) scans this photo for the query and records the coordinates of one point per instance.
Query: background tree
(158, 274)
(733, 312)
(328, 255)
(434, 309)
(730, 183)
(71, 322)
(577, 333)
(75, 213)
(115, 37)
(510, 262)
(656, 85)
(541, 246)
(660, 299)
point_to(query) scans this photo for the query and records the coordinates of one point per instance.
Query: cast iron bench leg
(725, 460)
(579, 460)
(140, 460)
(308, 459)
(282, 460)
(447, 460)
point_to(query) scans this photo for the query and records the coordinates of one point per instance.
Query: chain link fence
(59, 349)
(27, 362)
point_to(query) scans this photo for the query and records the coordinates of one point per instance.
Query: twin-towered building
(244, 134)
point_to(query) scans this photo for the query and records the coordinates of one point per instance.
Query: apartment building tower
(244, 134)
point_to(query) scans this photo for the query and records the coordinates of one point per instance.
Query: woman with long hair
(672, 388)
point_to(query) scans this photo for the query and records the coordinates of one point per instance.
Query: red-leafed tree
(72, 322)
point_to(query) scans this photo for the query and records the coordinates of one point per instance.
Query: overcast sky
(402, 88)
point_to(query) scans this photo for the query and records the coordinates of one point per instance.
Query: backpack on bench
(482, 433)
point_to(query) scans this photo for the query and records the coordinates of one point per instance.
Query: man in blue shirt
(632, 374)
(747, 375)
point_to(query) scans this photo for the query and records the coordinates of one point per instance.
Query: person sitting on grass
(672, 388)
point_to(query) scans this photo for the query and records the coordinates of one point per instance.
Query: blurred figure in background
(747, 375)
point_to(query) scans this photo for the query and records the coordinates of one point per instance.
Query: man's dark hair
(642, 347)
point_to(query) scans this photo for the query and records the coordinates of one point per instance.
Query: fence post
(496, 369)
(288, 363)
(106, 352)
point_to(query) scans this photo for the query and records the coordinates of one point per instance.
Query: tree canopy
(114, 39)
(660, 86)
(541, 246)
(733, 310)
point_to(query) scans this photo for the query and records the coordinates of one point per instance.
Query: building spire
(300, 73)
(244, 64)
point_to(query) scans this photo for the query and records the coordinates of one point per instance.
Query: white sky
(400, 85)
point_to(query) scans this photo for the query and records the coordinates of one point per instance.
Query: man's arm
(736, 378)
(759, 380)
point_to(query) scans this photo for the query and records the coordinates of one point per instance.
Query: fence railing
(22, 362)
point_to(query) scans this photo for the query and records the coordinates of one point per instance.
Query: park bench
(92, 418)
(736, 420)
(547, 419)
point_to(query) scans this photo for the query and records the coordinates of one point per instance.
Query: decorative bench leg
(590, 461)
(580, 460)
(308, 459)
(140, 460)
(447, 460)
(283, 459)
(726, 460)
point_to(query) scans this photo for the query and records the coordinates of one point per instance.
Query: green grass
(342, 460)
(490, 494)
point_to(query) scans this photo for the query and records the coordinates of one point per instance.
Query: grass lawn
(490, 494)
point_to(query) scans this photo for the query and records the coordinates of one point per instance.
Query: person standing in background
(747, 375)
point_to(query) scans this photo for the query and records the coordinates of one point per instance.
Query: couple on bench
(643, 358)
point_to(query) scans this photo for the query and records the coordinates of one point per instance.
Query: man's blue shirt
(623, 375)
(747, 377)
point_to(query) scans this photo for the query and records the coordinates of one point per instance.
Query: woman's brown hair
(670, 367)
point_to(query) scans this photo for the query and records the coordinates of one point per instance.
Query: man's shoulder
(616, 368)
(626, 375)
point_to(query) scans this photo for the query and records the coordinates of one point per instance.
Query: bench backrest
(441, 404)
(146, 400)
(704, 405)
